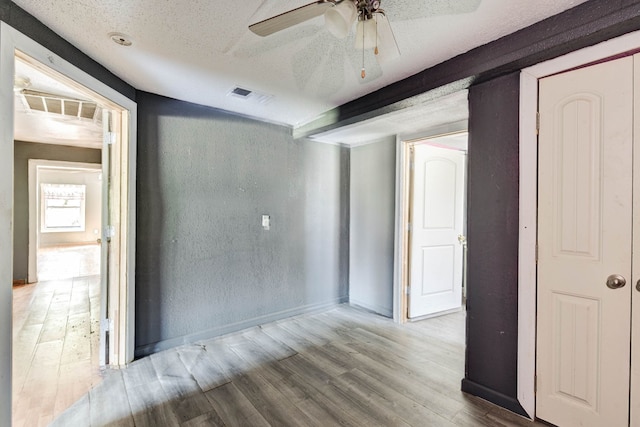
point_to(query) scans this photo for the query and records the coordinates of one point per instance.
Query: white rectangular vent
(250, 95)
(55, 104)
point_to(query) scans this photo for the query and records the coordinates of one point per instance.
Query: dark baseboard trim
(19, 282)
(504, 401)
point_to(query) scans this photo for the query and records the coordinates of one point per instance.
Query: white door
(635, 283)
(105, 239)
(436, 217)
(584, 240)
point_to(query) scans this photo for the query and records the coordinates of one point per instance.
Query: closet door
(585, 245)
(635, 291)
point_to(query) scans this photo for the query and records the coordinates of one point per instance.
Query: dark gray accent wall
(23, 151)
(204, 264)
(492, 235)
(371, 242)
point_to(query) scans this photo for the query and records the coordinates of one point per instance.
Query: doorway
(69, 196)
(117, 143)
(431, 226)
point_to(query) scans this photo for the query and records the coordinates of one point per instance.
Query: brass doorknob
(638, 286)
(616, 281)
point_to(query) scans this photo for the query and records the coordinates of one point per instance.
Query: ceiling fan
(373, 30)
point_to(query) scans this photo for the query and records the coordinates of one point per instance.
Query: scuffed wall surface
(204, 263)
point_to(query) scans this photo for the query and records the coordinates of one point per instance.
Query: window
(62, 207)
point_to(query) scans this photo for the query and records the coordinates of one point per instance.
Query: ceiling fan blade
(387, 45)
(291, 18)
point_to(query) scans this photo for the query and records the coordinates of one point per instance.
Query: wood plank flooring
(55, 337)
(342, 367)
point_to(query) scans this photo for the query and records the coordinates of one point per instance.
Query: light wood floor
(340, 367)
(55, 336)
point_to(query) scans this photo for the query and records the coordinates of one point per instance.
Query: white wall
(372, 221)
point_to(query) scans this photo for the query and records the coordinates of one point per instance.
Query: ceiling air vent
(250, 95)
(55, 104)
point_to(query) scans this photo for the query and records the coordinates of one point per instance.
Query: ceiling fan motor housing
(366, 8)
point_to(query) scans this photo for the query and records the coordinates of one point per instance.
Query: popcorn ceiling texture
(197, 50)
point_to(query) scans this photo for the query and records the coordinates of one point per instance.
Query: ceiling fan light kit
(366, 34)
(387, 44)
(339, 19)
(373, 30)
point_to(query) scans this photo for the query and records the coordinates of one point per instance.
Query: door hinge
(110, 138)
(105, 325)
(538, 123)
(409, 227)
(109, 231)
(408, 290)
(536, 253)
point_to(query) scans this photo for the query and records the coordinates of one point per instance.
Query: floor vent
(55, 104)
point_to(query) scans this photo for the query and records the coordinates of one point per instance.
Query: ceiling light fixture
(369, 33)
(373, 29)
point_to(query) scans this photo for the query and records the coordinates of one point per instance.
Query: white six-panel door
(437, 214)
(585, 239)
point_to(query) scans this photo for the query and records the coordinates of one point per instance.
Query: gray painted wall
(204, 264)
(373, 176)
(23, 151)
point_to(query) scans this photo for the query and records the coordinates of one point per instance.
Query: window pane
(63, 207)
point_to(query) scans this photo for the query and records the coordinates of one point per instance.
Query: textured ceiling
(198, 50)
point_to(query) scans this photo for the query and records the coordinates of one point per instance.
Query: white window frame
(44, 227)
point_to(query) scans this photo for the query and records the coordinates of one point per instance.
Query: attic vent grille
(54, 104)
(250, 95)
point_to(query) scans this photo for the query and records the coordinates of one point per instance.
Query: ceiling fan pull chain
(363, 73)
(375, 51)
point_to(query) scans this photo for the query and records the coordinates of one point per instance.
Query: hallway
(55, 335)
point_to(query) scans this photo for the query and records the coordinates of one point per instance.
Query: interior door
(585, 245)
(635, 291)
(436, 217)
(107, 232)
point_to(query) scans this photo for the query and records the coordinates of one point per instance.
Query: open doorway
(431, 226)
(56, 318)
(79, 255)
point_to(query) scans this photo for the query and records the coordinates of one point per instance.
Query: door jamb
(527, 281)
(11, 41)
(34, 205)
(403, 184)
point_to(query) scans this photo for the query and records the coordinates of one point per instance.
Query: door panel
(437, 221)
(584, 217)
(635, 283)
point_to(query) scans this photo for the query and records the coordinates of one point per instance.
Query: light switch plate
(266, 222)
